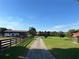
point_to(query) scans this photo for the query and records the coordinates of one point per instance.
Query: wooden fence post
(16, 40)
(10, 42)
(20, 39)
(0, 45)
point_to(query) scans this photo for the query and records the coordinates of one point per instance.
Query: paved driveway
(38, 50)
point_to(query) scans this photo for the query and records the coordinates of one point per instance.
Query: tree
(69, 33)
(2, 30)
(54, 33)
(46, 34)
(40, 33)
(61, 34)
(77, 30)
(32, 31)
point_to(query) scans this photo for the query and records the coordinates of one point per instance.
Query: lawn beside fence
(18, 51)
(62, 48)
(2, 38)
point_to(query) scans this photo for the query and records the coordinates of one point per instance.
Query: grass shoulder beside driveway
(62, 48)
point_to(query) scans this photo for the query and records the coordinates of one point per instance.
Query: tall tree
(61, 34)
(45, 34)
(54, 33)
(32, 31)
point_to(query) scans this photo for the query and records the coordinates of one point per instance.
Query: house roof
(9, 30)
(76, 34)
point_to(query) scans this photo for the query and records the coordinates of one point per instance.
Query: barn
(75, 37)
(15, 33)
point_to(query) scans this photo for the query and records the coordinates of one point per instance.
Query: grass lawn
(62, 48)
(18, 51)
(2, 38)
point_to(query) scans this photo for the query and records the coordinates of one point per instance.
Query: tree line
(33, 32)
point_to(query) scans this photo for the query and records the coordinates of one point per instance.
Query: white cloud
(65, 27)
(11, 22)
(58, 26)
(19, 23)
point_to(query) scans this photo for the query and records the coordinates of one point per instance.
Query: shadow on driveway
(39, 54)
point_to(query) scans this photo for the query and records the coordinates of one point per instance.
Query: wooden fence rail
(7, 43)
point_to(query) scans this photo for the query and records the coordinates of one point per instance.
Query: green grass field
(18, 51)
(62, 48)
(4, 38)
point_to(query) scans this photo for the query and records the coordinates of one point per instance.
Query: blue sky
(50, 15)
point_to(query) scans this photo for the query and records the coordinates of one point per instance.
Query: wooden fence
(7, 43)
